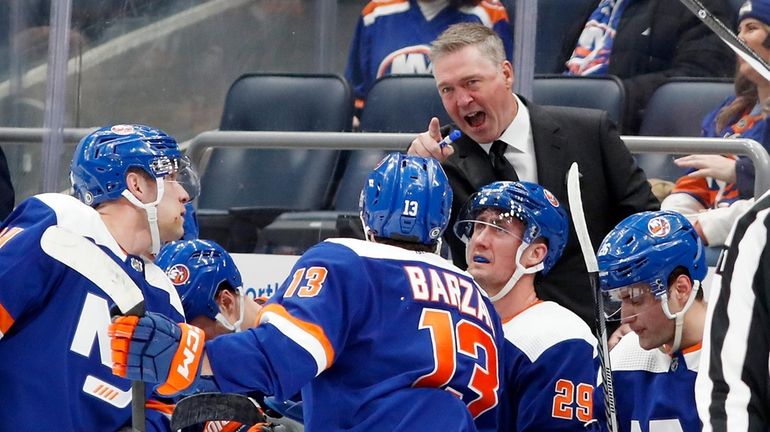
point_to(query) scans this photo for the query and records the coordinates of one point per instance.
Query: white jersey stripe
(739, 310)
(302, 338)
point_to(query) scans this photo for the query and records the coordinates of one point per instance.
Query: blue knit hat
(757, 9)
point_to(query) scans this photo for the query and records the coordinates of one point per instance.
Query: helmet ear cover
(407, 199)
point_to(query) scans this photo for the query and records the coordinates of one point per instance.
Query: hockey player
(211, 289)
(512, 231)
(381, 335)
(64, 263)
(209, 285)
(651, 266)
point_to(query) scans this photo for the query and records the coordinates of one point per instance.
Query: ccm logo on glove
(186, 362)
(194, 336)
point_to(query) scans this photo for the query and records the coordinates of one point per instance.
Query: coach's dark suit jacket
(612, 185)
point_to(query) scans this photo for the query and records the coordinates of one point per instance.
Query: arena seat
(677, 109)
(396, 103)
(605, 93)
(247, 188)
(402, 103)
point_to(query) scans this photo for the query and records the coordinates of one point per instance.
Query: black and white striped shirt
(733, 385)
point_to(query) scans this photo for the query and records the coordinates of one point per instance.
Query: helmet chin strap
(152, 213)
(679, 316)
(517, 274)
(236, 326)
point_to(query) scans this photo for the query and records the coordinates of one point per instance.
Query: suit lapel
(550, 153)
(473, 161)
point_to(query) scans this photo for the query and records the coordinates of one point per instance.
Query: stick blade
(204, 407)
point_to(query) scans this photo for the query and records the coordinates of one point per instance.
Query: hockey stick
(728, 37)
(86, 258)
(579, 221)
(204, 407)
(138, 392)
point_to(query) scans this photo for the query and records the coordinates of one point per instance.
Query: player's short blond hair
(459, 36)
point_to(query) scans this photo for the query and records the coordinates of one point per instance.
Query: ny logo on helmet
(659, 227)
(179, 274)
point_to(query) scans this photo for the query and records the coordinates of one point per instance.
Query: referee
(733, 385)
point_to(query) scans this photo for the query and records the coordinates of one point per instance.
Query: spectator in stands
(393, 37)
(719, 182)
(7, 197)
(644, 43)
(505, 137)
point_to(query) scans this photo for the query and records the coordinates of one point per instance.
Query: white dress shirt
(521, 145)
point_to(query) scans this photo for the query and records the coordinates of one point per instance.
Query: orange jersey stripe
(374, 4)
(693, 348)
(6, 321)
(8, 233)
(496, 10)
(698, 188)
(311, 329)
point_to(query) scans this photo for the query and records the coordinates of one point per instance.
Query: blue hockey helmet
(645, 248)
(198, 268)
(406, 198)
(103, 158)
(528, 202)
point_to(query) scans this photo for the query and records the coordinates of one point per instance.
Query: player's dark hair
(683, 271)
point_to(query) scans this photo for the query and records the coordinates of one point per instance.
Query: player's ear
(536, 253)
(682, 288)
(135, 184)
(226, 301)
(142, 186)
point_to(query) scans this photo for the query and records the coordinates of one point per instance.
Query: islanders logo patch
(659, 227)
(551, 199)
(178, 274)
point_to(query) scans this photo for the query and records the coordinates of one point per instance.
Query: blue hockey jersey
(393, 37)
(60, 273)
(551, 367)
(653, 390)
(378, 338)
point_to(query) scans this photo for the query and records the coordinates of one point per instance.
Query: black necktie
(502, 168)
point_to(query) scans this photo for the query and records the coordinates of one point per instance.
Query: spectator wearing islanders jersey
(716, 181)
(644, 43)
(393, 36)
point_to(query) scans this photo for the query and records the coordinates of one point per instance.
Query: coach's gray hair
(459, 36)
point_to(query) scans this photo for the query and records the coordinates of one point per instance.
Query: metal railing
(198, 147)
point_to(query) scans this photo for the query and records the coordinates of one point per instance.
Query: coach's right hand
(427, 143)
(155, 349)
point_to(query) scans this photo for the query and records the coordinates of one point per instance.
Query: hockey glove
(154, 349)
